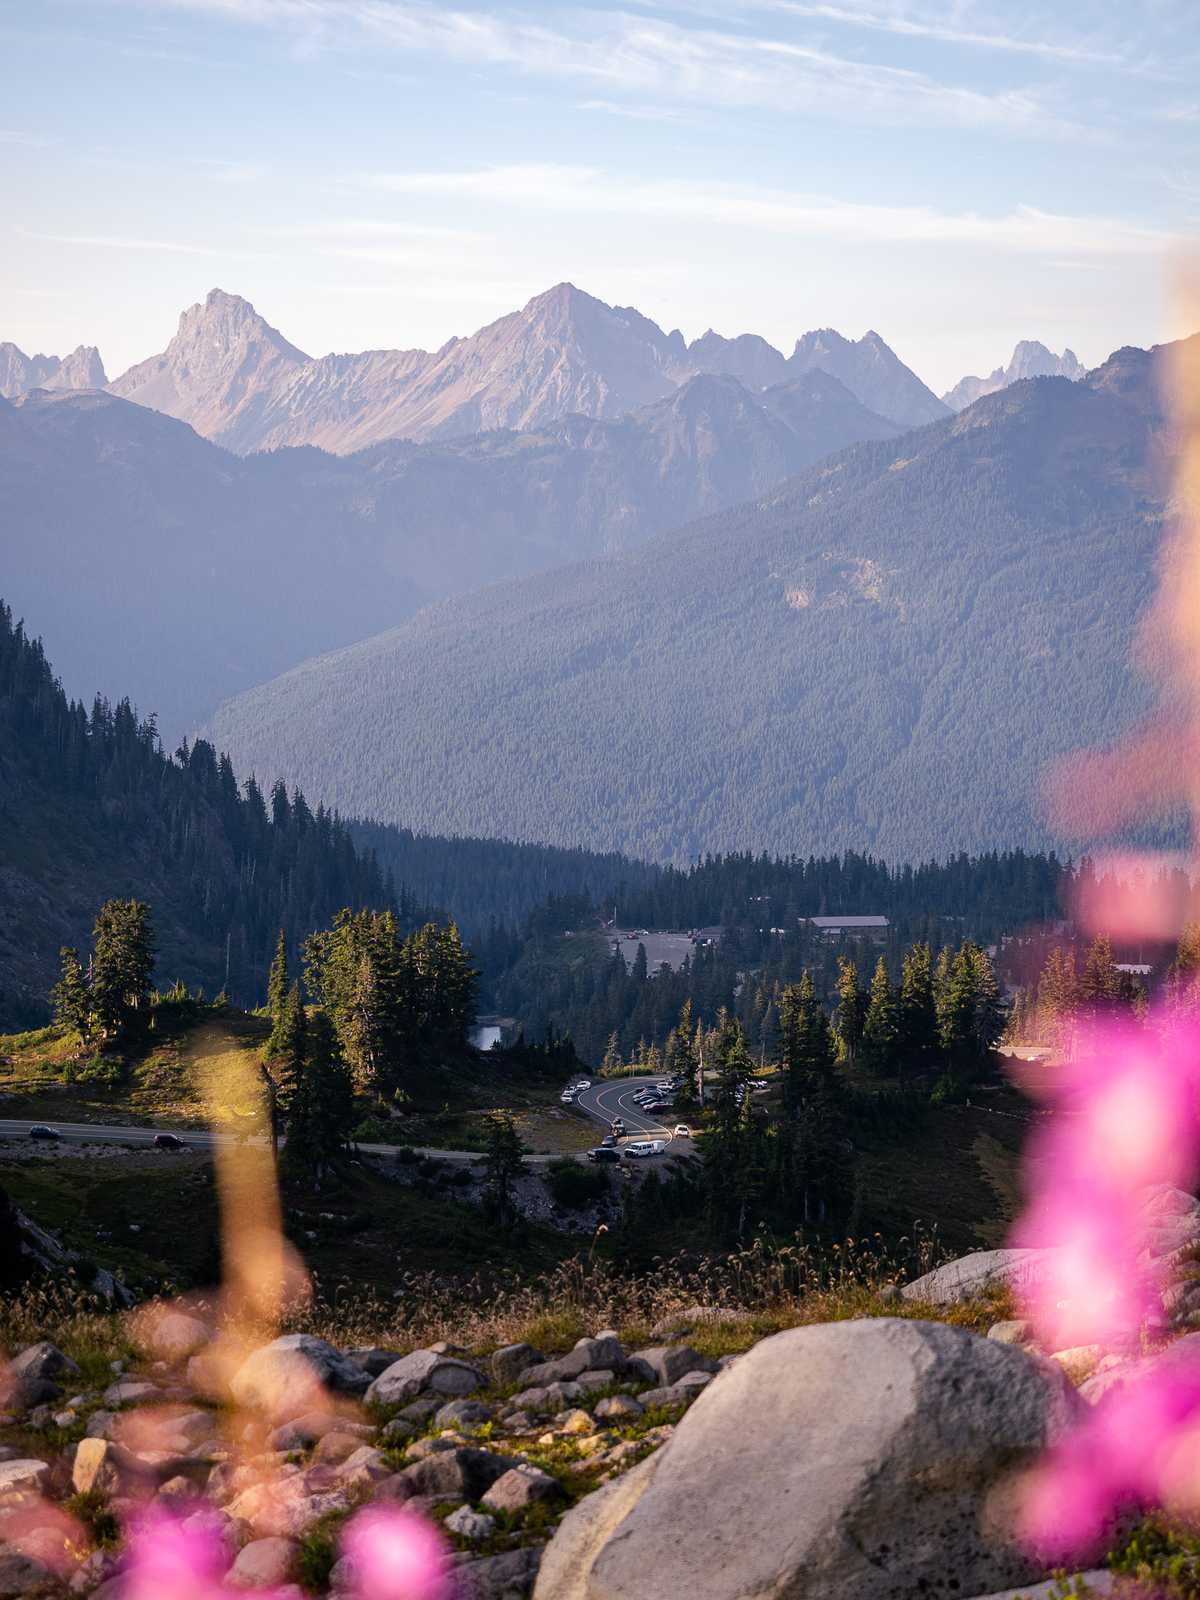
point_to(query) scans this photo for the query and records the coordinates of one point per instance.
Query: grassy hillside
(883, 655)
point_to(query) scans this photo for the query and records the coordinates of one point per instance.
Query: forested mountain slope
(165, 568)
(90, 809)
(881, 655)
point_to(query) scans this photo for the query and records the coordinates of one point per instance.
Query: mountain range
(19, 373)
(881, 654)
(239, 382)
(1030, 359)
(160, 565)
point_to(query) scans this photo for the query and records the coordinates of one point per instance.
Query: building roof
(849, 922)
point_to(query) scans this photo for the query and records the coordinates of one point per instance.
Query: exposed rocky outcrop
(1030, 359)
(19, 373)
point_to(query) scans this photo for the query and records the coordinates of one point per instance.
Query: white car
(584, 1083)
(644, 1147)
(682, 1131)
(567, 1098)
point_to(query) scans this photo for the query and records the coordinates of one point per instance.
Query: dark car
(42, 1132)
(168, 1141)
(601, 1153)
(608, 1142)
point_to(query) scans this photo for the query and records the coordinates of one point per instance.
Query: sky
(391, 173)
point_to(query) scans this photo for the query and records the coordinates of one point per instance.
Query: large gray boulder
(985, 1269)
(422, 1371)
(868, 1460)
(290, 1376)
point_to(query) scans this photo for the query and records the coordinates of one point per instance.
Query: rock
(461, 1473)
(373, 1358)
(561, 1370)
(97, 1468)
(21, 1575)
(605, 1350)
(421, 1410)
(262, 1564)
(336, 1447)
(423, 1370)
(290, 1376)
(285, 1507)
(468, 1524)
(692, 1382)
(521, 1486)
(206, 1374)
(99, 1424)
(397, 1431)
(510, 1361)
(364, 1465)
(600, 1379)
(1080, 1361)
(93, 1570)
(618, 1408)
(530, 1399)
(175, 1491)
(577, 1422)
(670, 1362)
(984, 1269)
(465, 1414)
(176, 1336)
(420, 1448)
(850, 1460)
(674, 1395)
(130, 1391)
(508, 1576)
(26, 1475)
(1019, 1330)
(43, 1360)
(29, 1393)
(1161, 1203)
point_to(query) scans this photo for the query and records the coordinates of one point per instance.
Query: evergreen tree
(290, 1056)
(122, 969)
(918, 1036)
(798, 1027)
(1183, 978)
(1058, 996)
(681, 1061)
(320, 1111)
(71, 999)
(611, 1064)
(1100, 983)
(277, 992)
(852, 1010)
(881, 1030)
(504, 1163)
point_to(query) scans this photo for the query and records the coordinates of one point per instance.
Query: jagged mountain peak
(19, 373)
(1030, 359)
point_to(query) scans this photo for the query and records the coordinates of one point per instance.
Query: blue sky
(389, 173)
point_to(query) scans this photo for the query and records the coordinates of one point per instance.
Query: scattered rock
(176, 1491)
(262, 1564)
(397, 1431)
(1018, 1330)
(130, 1391)
(463, 1414)
(461, 1473)
(1101, 1582)
(1080, 1361)
(691, 1318)
(364, 1465)
(289, 1376)
(26, 1475)
(577, 1422)
(523, 1485)
(42, 1360)
(97, 1467)
(508, 1576)
(21, 1575)
(423, 1370)
(907, 1438)
(618, 1408)
(176, 1336)
(671, 1362)
(468, 1524)
(373, 1359)
(334, 1448)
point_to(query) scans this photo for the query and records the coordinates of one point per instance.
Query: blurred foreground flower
(395, 1555)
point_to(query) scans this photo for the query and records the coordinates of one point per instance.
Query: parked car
(40, 1131)
(168, 1141)
(618, 1125)
(608, 1142)
(604, 1153)
(567, 1098)
(584, 1083)
(657, 1105)
(682, 1131)
(644, 1147)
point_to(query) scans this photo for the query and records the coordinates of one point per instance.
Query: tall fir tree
(918, 1037)
(851, 1010)
(71, 998)
(278, 984)
(123, 952)
(881, 1030)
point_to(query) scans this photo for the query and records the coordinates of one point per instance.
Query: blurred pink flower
(170, 1562)
(396, 1555)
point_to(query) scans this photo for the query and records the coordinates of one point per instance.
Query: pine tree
(71, 999)
(1183, 978)
(852, 1010)
(122, 968)
(503, 1162)
(291, 1054)
(1100, 988)
(918, 1037)
(881, 1029)
(320, 1111)
(681, 1060)
(277, 992)
(611, 1064)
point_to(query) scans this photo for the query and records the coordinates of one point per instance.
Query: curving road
(607, 1101)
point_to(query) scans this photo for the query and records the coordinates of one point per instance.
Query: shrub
(573, 1186)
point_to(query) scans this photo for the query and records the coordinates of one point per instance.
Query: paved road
(607, 1101)
(126, 1133)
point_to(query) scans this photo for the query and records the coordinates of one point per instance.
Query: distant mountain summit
(1030, 359)
(566, 353)
(873, 373)
(217, 372)
(19, 373)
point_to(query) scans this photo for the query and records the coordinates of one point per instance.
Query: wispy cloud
(121, 241)
(232, 172)
(18, 136)
(649, 56)
(635, 113)
(1022, 229)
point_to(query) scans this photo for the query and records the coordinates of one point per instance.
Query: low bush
(574, 1186)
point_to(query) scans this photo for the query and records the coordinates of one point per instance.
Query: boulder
(850, 1460)
(577, 1421)
(175, 1337)
(291, 1375)
(129, 1392)
(521, 1486)
(419, 1372)
(364, 1465)
(617, 1408)
(1088, 1583)
(468, 1524)
(21, 1575)
(285, 1507)
(463, 1414)
(262, 1564)
(561, 1370)
(336, 1447)
(24, 1476)
(1080, 1361)
(98, 1467)
(511, 1360)
(670, 1362)
(602, 1350)
(373, 1358)
(1019, 1270)
(1018, 1330)
(508, 1576)
(42, 1360)
(459, 1473)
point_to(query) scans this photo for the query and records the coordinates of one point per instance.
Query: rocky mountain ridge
(238, 381)
(19, 373)
(1030, 359)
